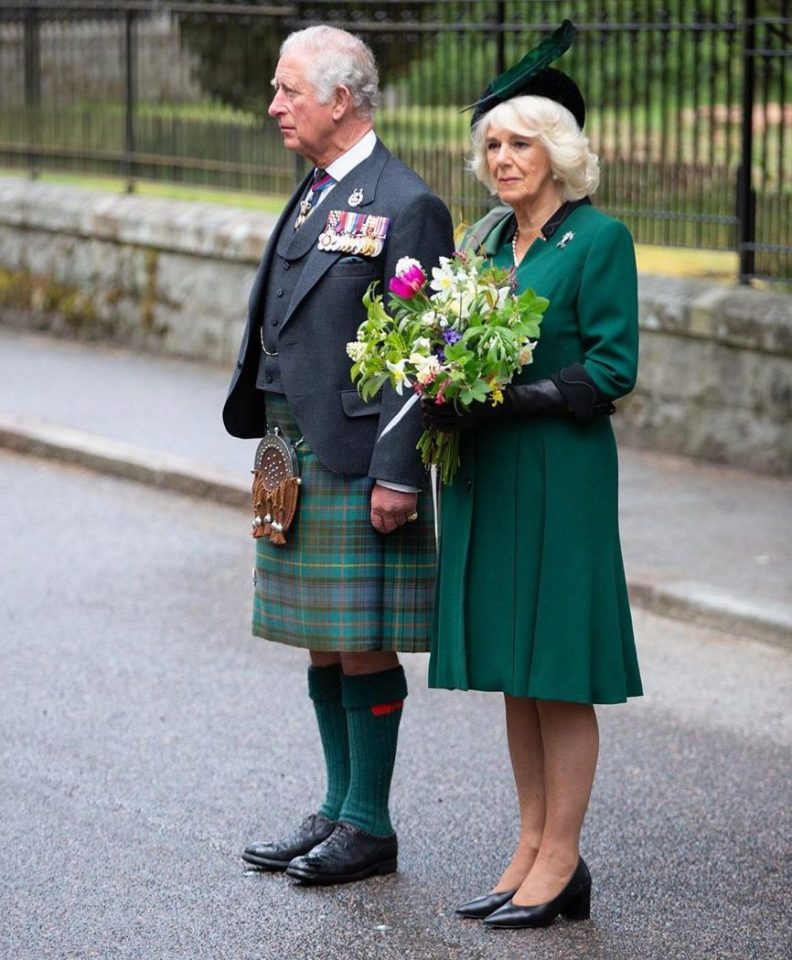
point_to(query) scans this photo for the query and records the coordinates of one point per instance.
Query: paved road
(145, 736)
(709, 537)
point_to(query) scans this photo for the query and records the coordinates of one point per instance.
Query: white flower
(399, 377)
(422, 344)
(443, 278)
(404, 264)
(429, 318)
(426, 368)
(356, 350)
(525, 356)
(459, 305)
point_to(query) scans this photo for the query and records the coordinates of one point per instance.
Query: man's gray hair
(338, 59)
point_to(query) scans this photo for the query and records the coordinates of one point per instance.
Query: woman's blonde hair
(573, 164)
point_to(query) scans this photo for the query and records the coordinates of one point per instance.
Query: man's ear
(342, 101)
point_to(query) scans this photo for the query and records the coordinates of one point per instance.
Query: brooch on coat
(356, 233)
(565, 239)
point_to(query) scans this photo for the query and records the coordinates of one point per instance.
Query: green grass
(667, 261)
(169, 191)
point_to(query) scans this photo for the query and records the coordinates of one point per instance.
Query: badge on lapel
(357, 233)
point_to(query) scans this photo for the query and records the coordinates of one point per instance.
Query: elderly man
(353, 583)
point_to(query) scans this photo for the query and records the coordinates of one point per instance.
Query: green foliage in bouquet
(461, 341)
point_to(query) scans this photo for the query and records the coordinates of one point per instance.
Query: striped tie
(320, 181)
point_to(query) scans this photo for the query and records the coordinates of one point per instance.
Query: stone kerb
(716, 361)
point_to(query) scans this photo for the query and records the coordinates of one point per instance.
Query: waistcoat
(280, 285)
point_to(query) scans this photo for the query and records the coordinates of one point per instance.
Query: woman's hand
(446, 418)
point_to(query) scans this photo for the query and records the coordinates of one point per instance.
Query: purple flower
(451, 336)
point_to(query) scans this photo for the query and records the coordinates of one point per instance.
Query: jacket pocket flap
(354, 406)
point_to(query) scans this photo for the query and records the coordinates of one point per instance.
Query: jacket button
(268, 378)
(286, 264)
(468, 485)
(275, 322)
(279, 292)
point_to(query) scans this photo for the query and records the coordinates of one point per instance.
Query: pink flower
(409, 280)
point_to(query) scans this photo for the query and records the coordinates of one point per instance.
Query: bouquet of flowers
(461, 341)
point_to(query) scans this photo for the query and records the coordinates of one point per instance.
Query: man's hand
(391, 508)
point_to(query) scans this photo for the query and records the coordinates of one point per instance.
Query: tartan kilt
(337, 584)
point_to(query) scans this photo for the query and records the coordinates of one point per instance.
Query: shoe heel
(387, 866)
(580, 907)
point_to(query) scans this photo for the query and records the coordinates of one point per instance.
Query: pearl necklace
(514, 247)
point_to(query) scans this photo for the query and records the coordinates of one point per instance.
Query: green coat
(531, 594)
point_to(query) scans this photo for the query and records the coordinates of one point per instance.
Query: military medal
(355, 198)
(354, 233)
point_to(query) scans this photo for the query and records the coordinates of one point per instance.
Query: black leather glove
(584, 399)
(540, 399)
(446, 418)
(570, 392)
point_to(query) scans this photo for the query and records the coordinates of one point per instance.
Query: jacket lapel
(280, 230)
(363, 179)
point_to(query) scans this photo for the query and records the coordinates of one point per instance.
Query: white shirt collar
(356, 154)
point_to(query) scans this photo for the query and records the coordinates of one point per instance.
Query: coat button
(286, 264)
(275, 322)
(468, 485)
(268, 378)
(279, 292)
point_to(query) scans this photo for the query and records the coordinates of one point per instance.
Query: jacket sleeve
(423, 231)
(608, 311)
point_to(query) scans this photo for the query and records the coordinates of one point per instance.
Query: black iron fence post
(130, 47)
(32, 47)
(746, 197)
(500, 22)
(300, 165)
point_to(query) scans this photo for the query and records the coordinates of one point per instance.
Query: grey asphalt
(146, 736)
(702, 542)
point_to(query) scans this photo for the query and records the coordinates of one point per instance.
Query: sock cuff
(324, 683)
(372, 689)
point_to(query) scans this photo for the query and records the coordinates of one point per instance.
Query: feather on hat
(533, 76)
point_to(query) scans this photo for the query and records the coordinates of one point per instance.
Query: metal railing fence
(688, 102)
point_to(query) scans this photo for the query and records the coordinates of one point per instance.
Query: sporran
(276, 486)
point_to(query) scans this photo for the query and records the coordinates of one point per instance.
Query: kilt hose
(337, 584)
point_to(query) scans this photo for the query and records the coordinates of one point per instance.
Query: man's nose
(276, 105)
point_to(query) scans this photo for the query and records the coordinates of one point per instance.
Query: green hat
(533, 76)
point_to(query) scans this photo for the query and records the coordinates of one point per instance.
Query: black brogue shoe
(348, 854)
(277, 854)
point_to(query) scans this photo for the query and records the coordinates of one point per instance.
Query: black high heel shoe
(483, 906)
(573, 903)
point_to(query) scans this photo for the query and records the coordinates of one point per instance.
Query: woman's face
(520, 168)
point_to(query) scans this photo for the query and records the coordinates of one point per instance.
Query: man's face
(305, 124)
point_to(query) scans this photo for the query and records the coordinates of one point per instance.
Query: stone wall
(160, 275)
(716, 361)
(715, 374)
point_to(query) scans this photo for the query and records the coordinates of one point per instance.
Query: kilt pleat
(337, 584)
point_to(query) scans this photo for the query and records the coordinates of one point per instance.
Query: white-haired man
(354, 583)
